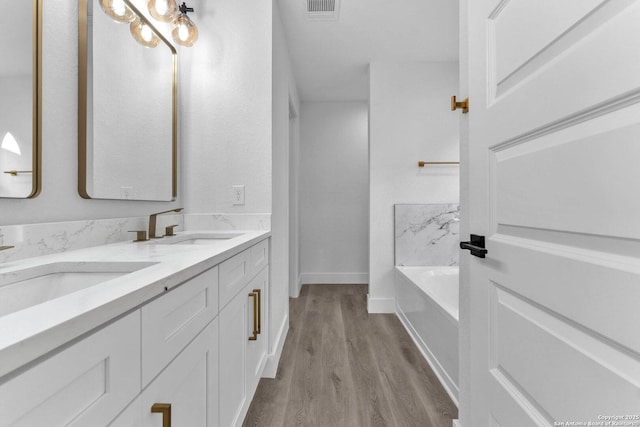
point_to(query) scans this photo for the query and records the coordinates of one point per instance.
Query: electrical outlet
(126, 193)
(237, 194)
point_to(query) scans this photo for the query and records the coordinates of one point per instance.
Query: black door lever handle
(476, 246)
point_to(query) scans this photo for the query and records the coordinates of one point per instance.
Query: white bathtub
(427, 305)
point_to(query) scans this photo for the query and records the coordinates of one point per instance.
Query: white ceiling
(331, 58)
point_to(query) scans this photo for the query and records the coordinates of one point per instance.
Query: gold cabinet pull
(422, 163)
(165, 410)
(464, 105)
(259, 292)
(255, 316)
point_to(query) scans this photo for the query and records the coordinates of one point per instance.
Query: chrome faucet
(152, 222)
(2, 248)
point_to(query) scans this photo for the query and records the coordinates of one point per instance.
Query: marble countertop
(30, 333)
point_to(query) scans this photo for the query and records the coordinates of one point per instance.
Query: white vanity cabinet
(243, 336)
(200, 347)
(86, 384)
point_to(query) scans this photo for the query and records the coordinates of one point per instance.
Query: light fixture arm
(184, 9)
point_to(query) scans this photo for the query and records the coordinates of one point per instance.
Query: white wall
(227, 104)
(59, 200)
(284, 90)
(294, 205)
(333, 191)
(122, 155)
(410, 120)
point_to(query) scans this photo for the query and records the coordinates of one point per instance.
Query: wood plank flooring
(344, 367)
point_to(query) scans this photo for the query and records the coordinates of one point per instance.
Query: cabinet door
(257, 349)
(86, 384)
(189, 384)
(235, 330)
(242, 350)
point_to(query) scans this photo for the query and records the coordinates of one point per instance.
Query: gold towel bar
(422, 163)
(15, 173)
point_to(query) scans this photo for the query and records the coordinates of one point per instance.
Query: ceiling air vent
(324, 10)
(321, 5)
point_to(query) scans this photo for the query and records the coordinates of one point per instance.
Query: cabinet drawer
(170, 322)
(86, 384)
(238, 270)
(259, 255)
(234, 275)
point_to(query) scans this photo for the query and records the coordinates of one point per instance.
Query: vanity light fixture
(117, 10)
(143, 34)
(185, 32)
(163, 10)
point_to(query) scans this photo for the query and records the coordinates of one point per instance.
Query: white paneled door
(554, 134)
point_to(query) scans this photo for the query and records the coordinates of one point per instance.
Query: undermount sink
(28, 287)
(198, 238)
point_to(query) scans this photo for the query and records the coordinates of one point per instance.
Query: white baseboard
(381, 305)
(334, 278)
(447, 383)
(271, 367)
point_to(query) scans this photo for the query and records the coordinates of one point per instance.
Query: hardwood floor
(343, 367)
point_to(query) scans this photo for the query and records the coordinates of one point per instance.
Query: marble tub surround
(33, 240)
(32, 332)
(426, 234)
(227, 221)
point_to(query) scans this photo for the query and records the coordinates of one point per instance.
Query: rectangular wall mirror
(20, 98)
(127, 105)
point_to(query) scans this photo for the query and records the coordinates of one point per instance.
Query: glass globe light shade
(185, 32)
(144, 34)
(117, 10)
(163, 10)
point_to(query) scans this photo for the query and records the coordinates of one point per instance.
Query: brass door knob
(464, 105)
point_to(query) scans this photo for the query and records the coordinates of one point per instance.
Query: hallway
(343, 367)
